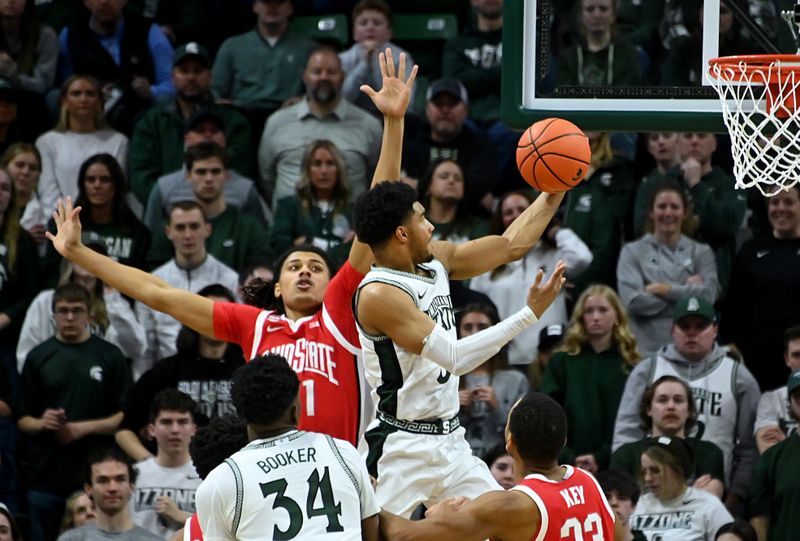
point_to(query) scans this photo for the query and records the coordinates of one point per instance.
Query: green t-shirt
(776, 488)
(89, 380)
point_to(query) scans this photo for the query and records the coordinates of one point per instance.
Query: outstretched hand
(68, 227)
(395, 93)
(540, 297)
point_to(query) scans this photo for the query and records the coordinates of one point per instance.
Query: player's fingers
(401, 69)
(413, 76)
(382, 64)
(368, 90)
(390, 71)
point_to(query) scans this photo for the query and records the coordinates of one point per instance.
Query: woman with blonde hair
(664, 266)
(587, 375)
(81, 132)
(320, 212)
(78, 511)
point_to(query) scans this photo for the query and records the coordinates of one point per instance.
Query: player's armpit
(507, 515)
(387, 310)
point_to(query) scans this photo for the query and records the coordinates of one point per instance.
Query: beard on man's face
(324, 93)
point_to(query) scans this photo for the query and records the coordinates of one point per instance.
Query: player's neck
(555, 472)
(262, 432)
(174, 459)
(395, 259)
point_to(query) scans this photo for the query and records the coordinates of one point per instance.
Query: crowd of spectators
(201, 148)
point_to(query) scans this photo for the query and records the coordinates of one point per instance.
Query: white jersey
(774, 410)
(696, 515)
(405, 385)
(299, 485)
(153, 481)
(717, 408)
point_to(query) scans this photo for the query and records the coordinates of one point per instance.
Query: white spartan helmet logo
(693, 306)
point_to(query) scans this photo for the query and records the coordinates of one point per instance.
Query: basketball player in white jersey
(412, 357)
(286, 484)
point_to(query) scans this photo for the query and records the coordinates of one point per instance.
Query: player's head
(390, 214)
(667, 407)
(216, 441)
(301, 277)
(264, 393)
(536, 432)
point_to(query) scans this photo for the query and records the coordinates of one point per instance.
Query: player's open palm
(395, 93)
(68, 227)
(541, 296)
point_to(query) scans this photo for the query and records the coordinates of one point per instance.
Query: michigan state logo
(441, 311)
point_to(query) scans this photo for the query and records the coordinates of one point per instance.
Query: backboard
(535, 49)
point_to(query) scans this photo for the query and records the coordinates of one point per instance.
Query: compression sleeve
(460, 357)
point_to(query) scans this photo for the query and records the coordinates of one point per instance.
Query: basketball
(553, 155)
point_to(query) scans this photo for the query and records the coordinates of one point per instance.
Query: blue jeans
(45, 511)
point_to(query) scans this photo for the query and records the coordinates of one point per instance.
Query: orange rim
(740, 68)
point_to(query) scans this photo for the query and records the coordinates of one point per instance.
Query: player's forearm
(526, 230)
(388, 167)
(133, 282)
(460, 357)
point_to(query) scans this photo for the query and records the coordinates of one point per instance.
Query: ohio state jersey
(573, 508)
(322, 348)
(191, 530)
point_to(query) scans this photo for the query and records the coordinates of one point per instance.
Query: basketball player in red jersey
(311, 323)
(549, 503)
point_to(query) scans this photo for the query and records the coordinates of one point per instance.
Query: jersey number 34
(329, 508)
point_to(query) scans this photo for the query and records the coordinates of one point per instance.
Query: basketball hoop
(760, 95)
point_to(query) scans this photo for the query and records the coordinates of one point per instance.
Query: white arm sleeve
(460, 357)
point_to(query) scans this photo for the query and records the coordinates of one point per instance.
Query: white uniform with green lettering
(299, 485)
(416, 451)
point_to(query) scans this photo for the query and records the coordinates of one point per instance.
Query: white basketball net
(765, 139)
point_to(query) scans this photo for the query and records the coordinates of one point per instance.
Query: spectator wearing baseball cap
(775, 499)
(671, 508)
(157, 144)
(725, 391)
(447, 136)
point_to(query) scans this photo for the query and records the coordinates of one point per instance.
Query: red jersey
(323, 349)
(573, 508)
(191, 530)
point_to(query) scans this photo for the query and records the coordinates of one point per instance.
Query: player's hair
(463, 219)
(263, 389)
(790, 334)
(650, 393)
(495, 453)
(171, 400)
(110, 453)
(500, 360)
(690, 221)
(740, 528)
(215, 442)
(261, 293)
(539, 427)
(576, 337)
(71, 293)
(305, 188)
(204, 151)
(185, 206)
(381, 210)
(373, 5)
(619, 482)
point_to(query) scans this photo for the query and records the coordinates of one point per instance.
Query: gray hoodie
(745, 395)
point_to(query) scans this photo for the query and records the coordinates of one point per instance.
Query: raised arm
(190, 309)
(392, 101)
(487, 253)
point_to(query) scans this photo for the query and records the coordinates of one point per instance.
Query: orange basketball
(553, 155)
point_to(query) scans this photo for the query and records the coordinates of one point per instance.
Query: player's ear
(401, 233)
